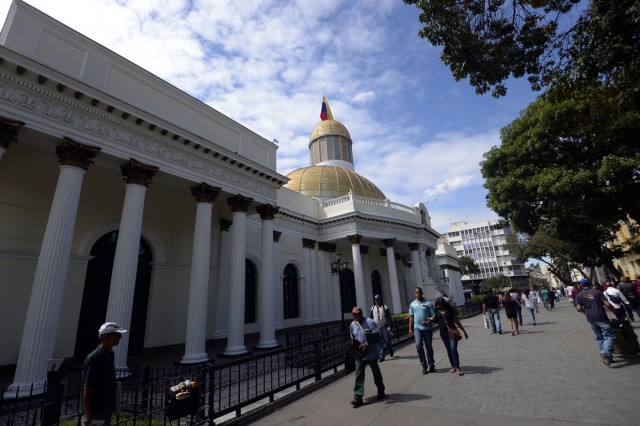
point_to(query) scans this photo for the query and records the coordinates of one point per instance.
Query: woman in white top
(530, 305)
(616, 298)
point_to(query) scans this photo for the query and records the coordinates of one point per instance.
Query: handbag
(355, 351)
(454, 333)
(484, 320)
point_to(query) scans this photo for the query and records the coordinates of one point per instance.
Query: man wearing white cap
(381, 314)
(99, 377)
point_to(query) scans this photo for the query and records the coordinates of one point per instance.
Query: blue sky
(417, 133)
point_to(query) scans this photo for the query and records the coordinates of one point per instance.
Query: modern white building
(124, 199)
(485, 244)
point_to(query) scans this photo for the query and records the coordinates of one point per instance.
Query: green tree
(495, 284)
(566, 170)
(489, 41)
(468, 266)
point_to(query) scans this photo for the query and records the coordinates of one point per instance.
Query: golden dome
(329, 127)
(331, 182)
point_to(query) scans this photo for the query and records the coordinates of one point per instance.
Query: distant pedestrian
(515, 295)
(448, 323)
(511, 312)
(553, 295)
(529, 306)
(535, 297)
(592, 303)
(491, 307)
(629, 290)
(570, 292)
(545, 294)
(618, 301)
(422, 315)
(363, 332)
(381, 315)
(99, 377)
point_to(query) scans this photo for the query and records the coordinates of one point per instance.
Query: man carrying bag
(364, 333)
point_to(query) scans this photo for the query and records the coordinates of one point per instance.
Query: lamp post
(338, 266)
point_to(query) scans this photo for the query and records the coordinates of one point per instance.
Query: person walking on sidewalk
(449, 324)
(99, 377)
(381, 315)
(592, 302)
(510, 309)
(422, 315)
(363, 331)
(515, 295)
(491, 304)
(529, 305)
(618, 302)
(628, 288)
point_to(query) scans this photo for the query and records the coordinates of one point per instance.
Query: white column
(309, 284)
(196, 340)
(8, 133)
(125, 264)
(43, 313)
(415, 265)
(222, 302)
(235, 324)
(278, 314)
(324, 277)
(266, 290)
(361, 295)
(313, 264)
(393, 275)
(366, 275)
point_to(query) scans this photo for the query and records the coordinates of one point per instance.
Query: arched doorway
(347, 291)
(250, 291)
(376, 284)
(95, 297)
(290, 292)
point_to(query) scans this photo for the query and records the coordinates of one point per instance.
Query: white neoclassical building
(124, 199)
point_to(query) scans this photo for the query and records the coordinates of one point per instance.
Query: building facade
(124, 199)
(485, 243)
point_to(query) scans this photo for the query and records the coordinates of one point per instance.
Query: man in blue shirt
(421, 315)
(592, 302)
(363, 331)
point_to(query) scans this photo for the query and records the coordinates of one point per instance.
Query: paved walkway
(550, 374)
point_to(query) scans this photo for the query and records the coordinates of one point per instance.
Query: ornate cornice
(267, 211)
(9, 131)
(307, 243)
(137, 173)
(204, 193)
(72, 153)
(71, 112)
(225, 225)
(354, 239)
(389, 242)
(414, 246)
(328, 247)
(238, 203)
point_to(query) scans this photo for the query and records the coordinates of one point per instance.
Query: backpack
(614, 298)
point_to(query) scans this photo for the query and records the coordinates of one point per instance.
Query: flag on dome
(325, 112)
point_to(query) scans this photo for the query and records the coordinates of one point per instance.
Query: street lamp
(445, 278)
(338, 266)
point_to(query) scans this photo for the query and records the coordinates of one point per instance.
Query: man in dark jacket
(491, 304)
(592, 303)
(628, 288)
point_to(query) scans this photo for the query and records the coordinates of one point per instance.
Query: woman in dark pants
(511, 309)
(448, 320)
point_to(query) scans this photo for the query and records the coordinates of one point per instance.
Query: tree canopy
(546, 41)
(468, 266)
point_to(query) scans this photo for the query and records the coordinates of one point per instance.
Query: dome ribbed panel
(331, 182)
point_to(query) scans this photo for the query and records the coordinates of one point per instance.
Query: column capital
(72, 153)
(354, 239)
(238, 203)
(276, 236)
(307, 243)
(138, 173)
(9, 131)
(328, 247)
(413, 246)
(225, 225)
(267, 211)
(364, 249)
(204, 193)
(389, 242)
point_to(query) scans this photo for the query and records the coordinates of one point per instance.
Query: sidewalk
(550, 374)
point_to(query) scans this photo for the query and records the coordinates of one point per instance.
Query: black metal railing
(224, 389)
